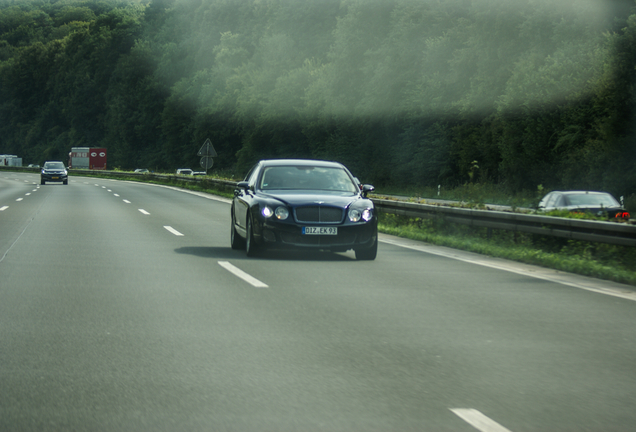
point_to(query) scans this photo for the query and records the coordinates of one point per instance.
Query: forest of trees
(404, 92)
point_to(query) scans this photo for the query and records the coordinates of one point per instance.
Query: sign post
(207, 152)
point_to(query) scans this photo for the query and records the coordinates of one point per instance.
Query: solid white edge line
(199, 194)
(173, 231)
(627, 295)
(241, 274)
(478, 420)
(143, 211)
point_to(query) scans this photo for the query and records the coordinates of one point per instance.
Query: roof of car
(299, 162)
(581, 192)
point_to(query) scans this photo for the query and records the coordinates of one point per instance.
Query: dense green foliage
(405, 92)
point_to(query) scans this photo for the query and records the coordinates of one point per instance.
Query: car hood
(296, 198)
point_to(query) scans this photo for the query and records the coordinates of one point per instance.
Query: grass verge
(609, 262)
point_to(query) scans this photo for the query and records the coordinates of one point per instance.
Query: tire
(250, 245)
(368, 254)
(236, 241)
(42, 182)
(65, 182)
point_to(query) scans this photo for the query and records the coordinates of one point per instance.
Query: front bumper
(51, 177)
(273, 234)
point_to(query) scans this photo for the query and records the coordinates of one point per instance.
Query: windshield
(591, 200)
(307, 178)
(54, 165)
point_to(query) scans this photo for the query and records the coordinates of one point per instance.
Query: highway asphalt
(123, 308)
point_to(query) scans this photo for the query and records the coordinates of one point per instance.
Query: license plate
(55, 178)
(320, 231)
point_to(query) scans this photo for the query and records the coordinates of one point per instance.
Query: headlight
(267, 212)
(355, 215)
(281, 213)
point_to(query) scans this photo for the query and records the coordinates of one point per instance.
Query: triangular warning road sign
(207, 149)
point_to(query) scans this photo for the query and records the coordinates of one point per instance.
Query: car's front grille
(319, 214)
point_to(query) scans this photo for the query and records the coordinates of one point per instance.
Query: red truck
(87, 158)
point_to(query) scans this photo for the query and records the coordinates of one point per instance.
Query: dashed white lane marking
(478, 420)
(173, 231)
(127, 202)
(142, 211)
(19, 199)
(241, 274)
(27, 194)
(4, 208)
(116, 195)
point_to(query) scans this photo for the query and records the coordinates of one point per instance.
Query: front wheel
(250, 245)
(235, 240)
(368, 254)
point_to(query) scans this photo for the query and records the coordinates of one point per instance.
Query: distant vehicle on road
(199, 173)
(303, 204)
(141, 170)
(184, 171)
(596, 203)
(54, 171)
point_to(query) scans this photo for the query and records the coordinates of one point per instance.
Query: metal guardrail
(575, 229)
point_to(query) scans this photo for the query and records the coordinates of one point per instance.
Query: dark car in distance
(53, 171)
(600, 204)
(303, 204)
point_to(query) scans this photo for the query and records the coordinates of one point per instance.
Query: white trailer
(10, 160)
(78, 157)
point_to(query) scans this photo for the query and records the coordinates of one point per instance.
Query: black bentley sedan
(303, 203)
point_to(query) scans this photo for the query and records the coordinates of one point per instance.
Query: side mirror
(242, 186)
(366, 189)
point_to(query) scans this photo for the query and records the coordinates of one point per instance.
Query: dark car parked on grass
(306, 204)
(53, 171)
(597, 203)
